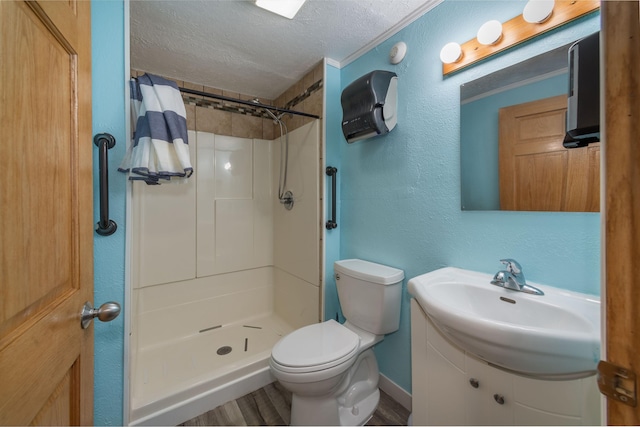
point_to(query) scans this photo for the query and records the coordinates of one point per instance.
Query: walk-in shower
(219, 271)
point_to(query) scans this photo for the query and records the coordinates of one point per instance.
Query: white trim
(396, 392)
(332, 62)
(323, 204)
(126, 385)
(427, 6)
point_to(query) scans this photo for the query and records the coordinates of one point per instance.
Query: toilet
(330, 368)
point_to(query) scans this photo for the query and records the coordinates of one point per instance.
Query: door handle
(105, 313)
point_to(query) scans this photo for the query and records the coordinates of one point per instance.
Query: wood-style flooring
(271, 406)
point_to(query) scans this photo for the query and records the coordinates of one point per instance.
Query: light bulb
(490, 32)
(538, 11)
(450, 53)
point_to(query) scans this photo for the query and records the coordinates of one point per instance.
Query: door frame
(620, 66)
(110, 27)
(128, 294)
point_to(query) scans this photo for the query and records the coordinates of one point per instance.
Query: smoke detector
(397, 52)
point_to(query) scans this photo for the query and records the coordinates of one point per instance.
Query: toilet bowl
(329, 367)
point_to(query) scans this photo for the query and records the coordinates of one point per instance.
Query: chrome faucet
(513, 278)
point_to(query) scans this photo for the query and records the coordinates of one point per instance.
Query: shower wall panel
(297, 231)
(228, 205)
(164, 230)
(234, 204)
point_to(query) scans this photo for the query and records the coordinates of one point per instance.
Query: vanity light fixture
(538, 17)
(450, 53)
(490, 33)
(286, 8)
(538, 11)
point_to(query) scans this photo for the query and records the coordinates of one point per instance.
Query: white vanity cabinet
(452, 387)
(488, 394)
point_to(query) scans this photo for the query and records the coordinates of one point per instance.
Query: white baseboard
(395, 391)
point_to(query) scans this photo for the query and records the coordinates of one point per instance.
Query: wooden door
(621, 243)
(46, 219)
(536, 172)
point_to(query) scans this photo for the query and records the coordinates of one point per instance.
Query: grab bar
(104, 142)
(332, 172)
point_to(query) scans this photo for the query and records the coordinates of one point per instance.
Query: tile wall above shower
(222, 117)
(230, 119)
(306, 96)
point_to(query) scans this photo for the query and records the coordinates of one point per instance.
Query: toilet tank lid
(369, 271)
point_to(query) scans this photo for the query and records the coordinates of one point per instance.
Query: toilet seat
(315, 347)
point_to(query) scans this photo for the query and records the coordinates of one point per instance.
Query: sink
(555, 336)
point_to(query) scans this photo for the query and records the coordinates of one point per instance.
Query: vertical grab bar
(332, 172)
(104, 142)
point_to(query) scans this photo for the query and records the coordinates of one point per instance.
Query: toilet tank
(370, 294)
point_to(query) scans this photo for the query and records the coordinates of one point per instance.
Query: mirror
(485, 108)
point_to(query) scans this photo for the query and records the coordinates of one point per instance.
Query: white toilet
(330, 368)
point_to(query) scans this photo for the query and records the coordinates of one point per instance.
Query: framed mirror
(524, 105)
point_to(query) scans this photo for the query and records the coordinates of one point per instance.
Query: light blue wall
(400, 193)
(108, 67)
(479, 139)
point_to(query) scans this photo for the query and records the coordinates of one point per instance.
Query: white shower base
(178, 380)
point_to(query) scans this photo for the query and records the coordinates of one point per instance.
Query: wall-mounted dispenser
(369, 105)
(583, 109)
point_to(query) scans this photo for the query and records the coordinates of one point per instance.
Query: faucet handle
(512, 265)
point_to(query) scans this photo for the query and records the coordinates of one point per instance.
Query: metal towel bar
(332, 172)
(104, 142)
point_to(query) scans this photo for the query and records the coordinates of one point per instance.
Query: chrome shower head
(273, 116)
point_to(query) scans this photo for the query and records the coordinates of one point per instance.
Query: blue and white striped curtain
(160, 147)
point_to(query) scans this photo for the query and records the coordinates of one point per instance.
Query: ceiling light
(286, 8)
(538, 11)
(490, 32)
(450, 53)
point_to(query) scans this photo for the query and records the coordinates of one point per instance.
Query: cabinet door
(491, 402)
(445, 390)
(419, 368)
(526, 416)
(438, 384)
(555, 402)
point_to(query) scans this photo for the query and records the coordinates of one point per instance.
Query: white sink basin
(555, 335)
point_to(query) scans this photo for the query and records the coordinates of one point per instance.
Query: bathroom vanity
(453, 387)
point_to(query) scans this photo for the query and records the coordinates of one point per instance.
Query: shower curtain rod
(251, 103)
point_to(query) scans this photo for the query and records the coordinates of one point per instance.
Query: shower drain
(224, 350)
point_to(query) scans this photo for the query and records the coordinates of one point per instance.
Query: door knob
(105, 313)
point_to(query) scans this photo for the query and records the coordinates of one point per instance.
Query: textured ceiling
(233, 44)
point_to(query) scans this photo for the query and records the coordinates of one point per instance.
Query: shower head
(273, 116)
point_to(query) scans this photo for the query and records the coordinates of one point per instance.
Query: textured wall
(400, 193)
(109, 252)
